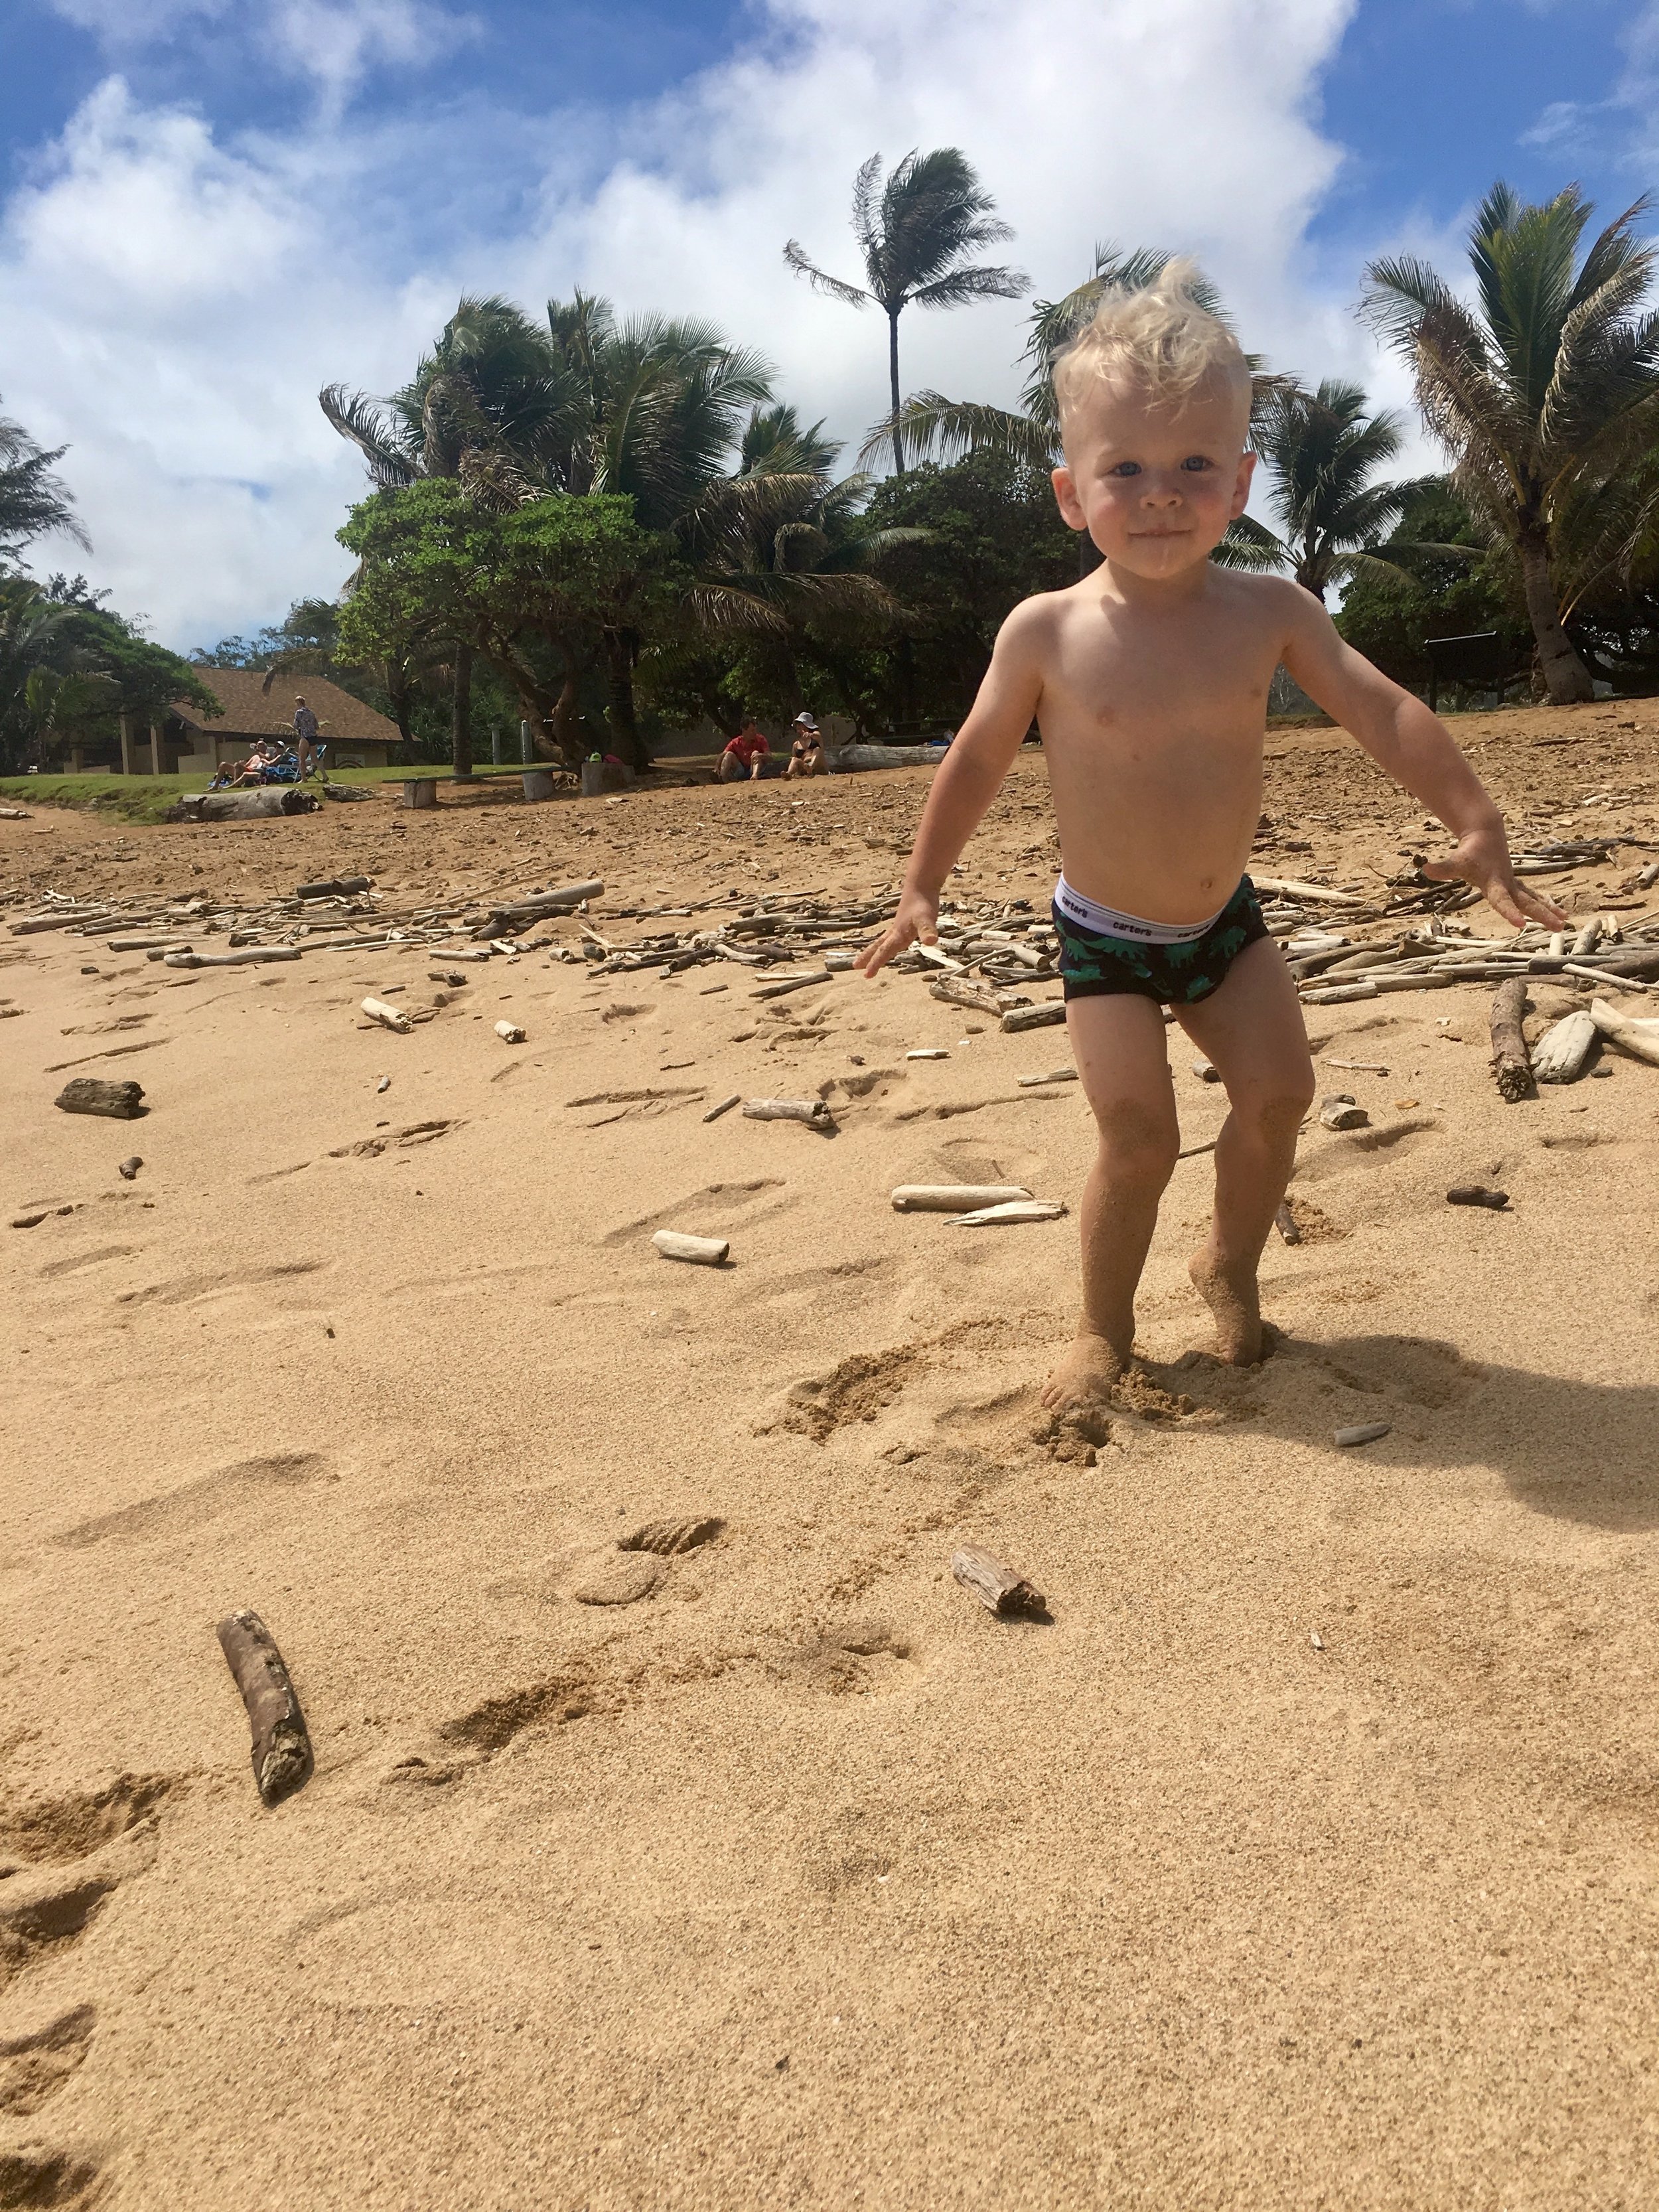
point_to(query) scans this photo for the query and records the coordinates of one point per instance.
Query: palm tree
(1324, 449)
(31, 500)
(490, 406)
(914, 232)
(1546, 392)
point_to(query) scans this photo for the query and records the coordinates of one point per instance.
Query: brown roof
(259, 706)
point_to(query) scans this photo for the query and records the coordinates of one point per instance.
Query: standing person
(806, 753)
(741, 760)
(305, 736)
(1149, 679)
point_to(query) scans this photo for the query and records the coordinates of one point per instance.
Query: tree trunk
(1565, 676)
(397, 692)
(561, 724)
(892, 376)
(619, 713)
(460, 726)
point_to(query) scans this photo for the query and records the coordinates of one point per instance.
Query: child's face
(1154, 487)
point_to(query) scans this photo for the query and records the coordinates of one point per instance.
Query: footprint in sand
(195, 1502)
(858, 1658)
(37, 2059)
(58, 2179)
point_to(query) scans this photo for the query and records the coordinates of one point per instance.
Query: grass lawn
(146, 798)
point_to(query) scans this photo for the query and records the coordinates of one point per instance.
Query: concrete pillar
(526, 746)
(77, 760)
(126, 744)
(495, 744)
(156, 749)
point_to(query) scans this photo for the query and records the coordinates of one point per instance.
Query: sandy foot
(1233, 1298)
(1084, 1375)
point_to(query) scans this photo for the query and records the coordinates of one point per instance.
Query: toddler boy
(1149, 680)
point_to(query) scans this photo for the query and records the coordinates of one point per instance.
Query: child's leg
(1251, 1029)
(1118, 1041)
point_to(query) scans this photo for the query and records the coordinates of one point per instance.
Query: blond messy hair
(1156, 339)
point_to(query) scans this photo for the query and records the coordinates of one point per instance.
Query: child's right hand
(916, 922)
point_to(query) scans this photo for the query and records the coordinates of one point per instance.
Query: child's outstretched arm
(1417, 749)
(966, 781)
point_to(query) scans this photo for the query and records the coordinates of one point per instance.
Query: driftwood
(1559, 1055)
(927, 1052)
(1033, 1017)
(1366, 1432)
(1639, 1039)
(1510, 1066)
(509, 1032)
(1339, 994)
(1013, 1210)
(1054, 1075)
(1474, 1193)
(257, 957)
(791, 983)
(391, 1018)
(1289, 887)
(1286, 1222)
(954, 1197)
(128, 1169)
(282, 1747)
(954, 992)
(243, 805)
(546, 903)
(723, 1107)
(336, 887)
(999, 1589)
(812, 1111)
(86, 1094)
(701, 1251)
(1341, 1112)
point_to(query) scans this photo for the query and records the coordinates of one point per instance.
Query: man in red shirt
(741, 760)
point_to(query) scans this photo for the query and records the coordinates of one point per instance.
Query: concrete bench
(421, 791)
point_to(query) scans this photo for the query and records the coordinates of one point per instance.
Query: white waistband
(1107, 921)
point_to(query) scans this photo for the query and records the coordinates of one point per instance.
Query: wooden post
(126, 744)
(156, 749)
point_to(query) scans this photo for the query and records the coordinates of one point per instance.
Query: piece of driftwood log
(1340, 993)
(391, 1018)
(1008, 1211)
(258, 956)
(243, 805)
(1054, 1075)
(1033, 1017)
(1286, 1222)
(1474, 1193)
(954, 1197)
(812, 1111)
(1559, 1055)
(791, 983)
(999, 1589)
(128, 1169)
(701, 1251)
(336, 887)
(1340, 1111)
(282, 1746)
(1358, 1067)
(1639, 1039)
(953, 991)
(1364, 1432)
(1289, 887)
(509, 1032)
(723, 1107)
(87, 1094)
(1511, 1067)
(927, 1052)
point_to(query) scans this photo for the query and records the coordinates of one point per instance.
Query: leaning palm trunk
(1565, 676)
(460, 723)
(619, 708)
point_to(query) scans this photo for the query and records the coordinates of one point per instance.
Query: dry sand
(799, 1880)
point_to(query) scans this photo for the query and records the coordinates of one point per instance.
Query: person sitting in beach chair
(807, 752)
(255, 769)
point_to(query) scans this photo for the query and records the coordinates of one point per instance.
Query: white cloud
(177, 299)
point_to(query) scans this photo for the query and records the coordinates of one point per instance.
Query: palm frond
(935, 427)
(796, 255)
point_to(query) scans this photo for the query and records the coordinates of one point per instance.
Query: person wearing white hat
(807, 752)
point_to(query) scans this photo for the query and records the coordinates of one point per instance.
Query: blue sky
(208, 208)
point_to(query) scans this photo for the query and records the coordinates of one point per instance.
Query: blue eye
(1195, 462)
(1124, 469)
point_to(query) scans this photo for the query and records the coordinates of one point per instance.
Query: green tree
(1322, 451)
(916, 232)
(1546, 393)
(69, 668)
(32, 500)
(1440, 576)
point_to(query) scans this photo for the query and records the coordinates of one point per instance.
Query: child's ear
(1070, 505)
(1241, 489)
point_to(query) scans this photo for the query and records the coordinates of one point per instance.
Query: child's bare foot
(1231, 1296)
(1084, 1375)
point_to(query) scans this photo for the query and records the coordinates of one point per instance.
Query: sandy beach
(1305, 1859)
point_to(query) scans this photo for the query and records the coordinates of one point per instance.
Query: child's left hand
(1482, 858)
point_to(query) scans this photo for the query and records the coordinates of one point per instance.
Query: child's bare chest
(1141, 683)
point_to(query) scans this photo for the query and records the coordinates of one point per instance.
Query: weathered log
(1054, 1075)
(128, 1169)
(1559, 1055)
(243, 805)
(1286, 1222)
(954, 1197)
(1474, 1193)
(259, 955)
(545, 903)
(1340, 993)
(1340, 1111)
(391, 1018)
(701, 1251)
(723, 1107)
(282, 1746)
(927, 1052)
(1510, 1066)
(1638, 1038)
(336, 887)
(812, 1111)
(791, 983)
(1043, 1017)
(954, 991)
(509, 1032)
(1289, 887)
(1363, 1432)
(86, 1094)
(999, 1590)
(33, 924)
(1014, 1210)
